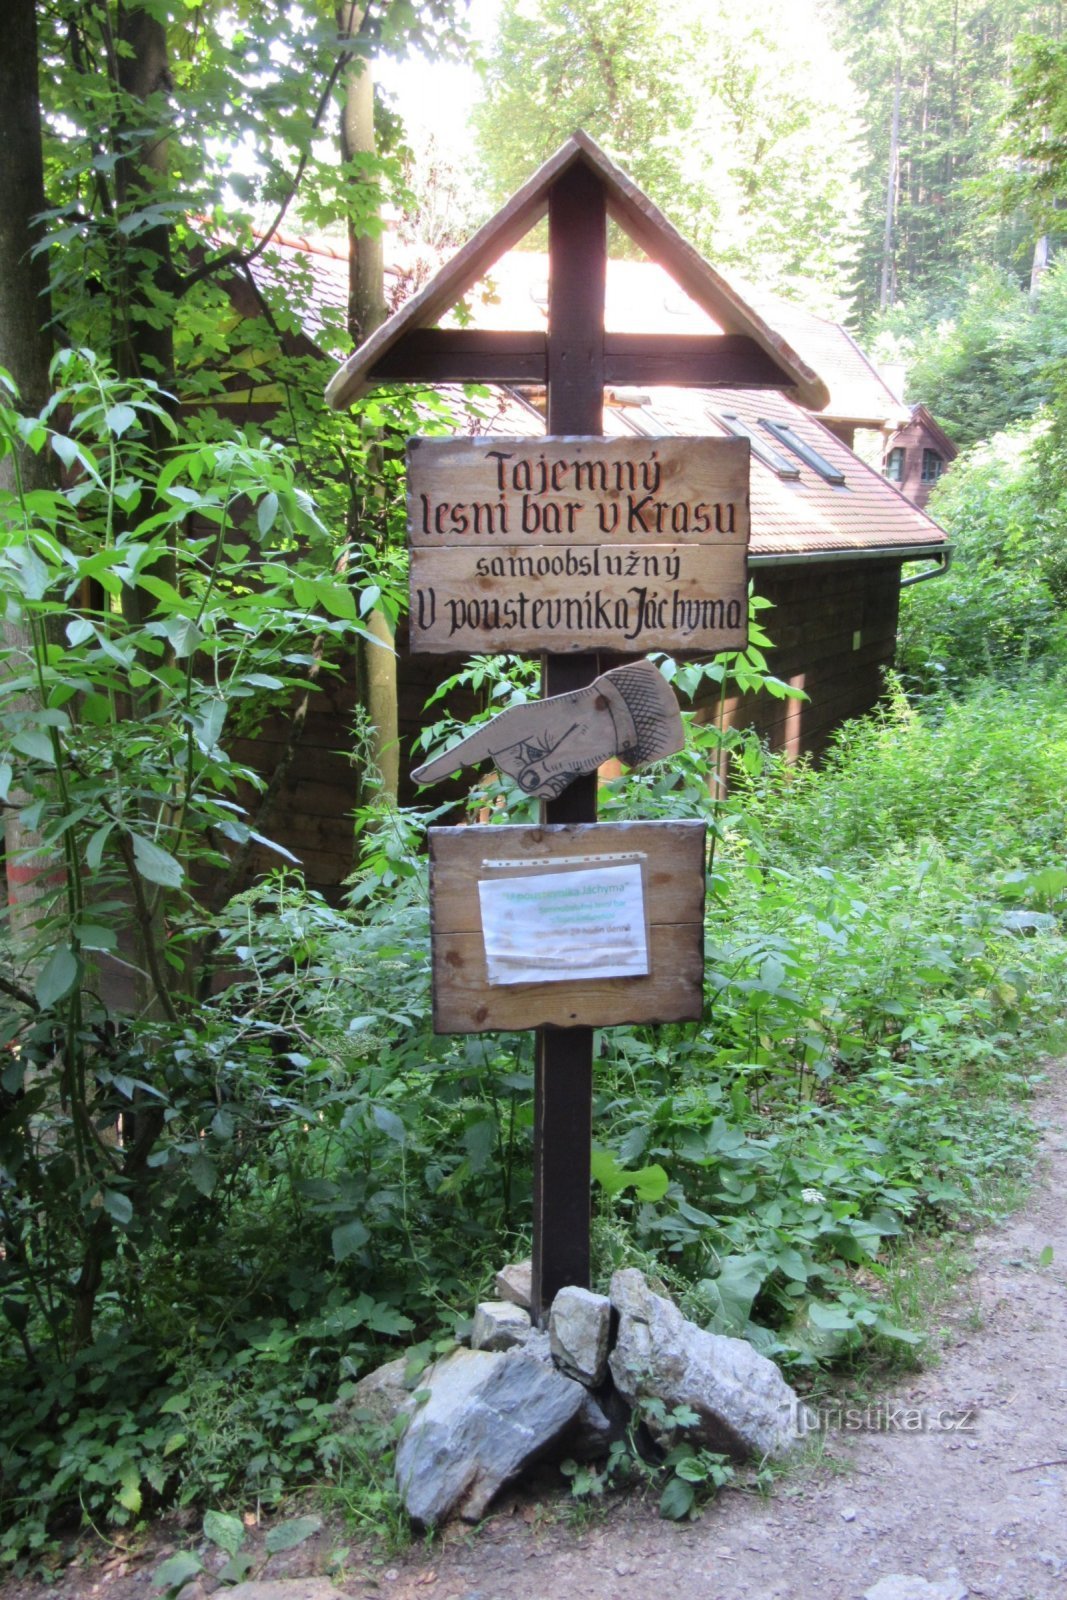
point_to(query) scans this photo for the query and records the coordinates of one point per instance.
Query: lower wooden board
(624, 598)
(463, 999)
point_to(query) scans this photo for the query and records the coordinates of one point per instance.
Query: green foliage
(654, 1455)
(334, 1180)
(1037, 132)
(979, 352)
(1002, 603)
(952, 61)
(712, 111)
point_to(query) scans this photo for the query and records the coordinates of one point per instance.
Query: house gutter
(942, 553)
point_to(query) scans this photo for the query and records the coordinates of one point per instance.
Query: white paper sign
(553, 927)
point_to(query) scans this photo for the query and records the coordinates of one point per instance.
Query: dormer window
(807, 453)
(760, 448)
(894, 464)
(933, 466)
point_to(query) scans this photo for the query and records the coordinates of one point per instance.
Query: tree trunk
(888, 290)
(366, 311)
(25, 350)
(366, 276)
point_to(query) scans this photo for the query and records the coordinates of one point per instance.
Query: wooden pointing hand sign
(629, 712)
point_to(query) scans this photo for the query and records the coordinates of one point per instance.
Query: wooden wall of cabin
(834, 629)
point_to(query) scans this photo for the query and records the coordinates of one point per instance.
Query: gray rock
(499, 1325)
(595, 1429)
(905, 1586)
(487, 1417)
(745, 1406)
(515, 1283)
(285, 1589)
(537, 1343)
(378, 1398)
(578, 1327)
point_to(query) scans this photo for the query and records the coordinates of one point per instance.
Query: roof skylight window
(766, 453)
(810, 456)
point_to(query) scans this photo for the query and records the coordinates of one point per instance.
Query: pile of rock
(481, 1415)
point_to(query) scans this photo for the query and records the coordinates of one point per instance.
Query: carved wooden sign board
(592, 924)
(578, 544)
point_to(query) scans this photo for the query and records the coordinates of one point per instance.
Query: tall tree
(738, 125)
(25, 352)
(936, 79)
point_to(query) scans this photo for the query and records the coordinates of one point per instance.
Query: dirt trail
(981, 1499)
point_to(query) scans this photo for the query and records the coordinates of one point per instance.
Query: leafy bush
(1002, 603)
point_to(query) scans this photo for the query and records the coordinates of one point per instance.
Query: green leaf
(225, 1531)
(389, 1123)
(58, 977)
(1045, 1258)
(38, 746)
(119, 418)
(208, 724)
(176, 1570)
(266, 512)
(7, 772)
(32, 571)
(733, 1291)
(347, 1239)
(677, 1500)
(94, 850)
(830, 1317)
(287, 1535)
(335, 598)
(129, 1494)
(79, 630)
(118, 1206)
(650, 1183)
(184, 635)
(156, 864)
(238, 1567)
(203, 1174)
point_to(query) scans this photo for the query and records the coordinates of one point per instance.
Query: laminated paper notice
(551, 927)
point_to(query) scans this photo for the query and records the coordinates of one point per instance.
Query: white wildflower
(813, 1197)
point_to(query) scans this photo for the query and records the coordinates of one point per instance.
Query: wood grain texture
(491, 355)
(465, 1002)
(575, 490)
(636, 214)
(671, 598)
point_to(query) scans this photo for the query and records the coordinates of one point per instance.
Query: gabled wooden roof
(636, 215)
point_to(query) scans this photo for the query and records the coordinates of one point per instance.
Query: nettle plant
(153, 608)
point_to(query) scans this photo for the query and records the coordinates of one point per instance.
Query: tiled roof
(804, 515)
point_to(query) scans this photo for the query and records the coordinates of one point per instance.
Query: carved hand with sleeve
(629, 712)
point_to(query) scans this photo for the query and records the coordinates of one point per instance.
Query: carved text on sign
(577, 544)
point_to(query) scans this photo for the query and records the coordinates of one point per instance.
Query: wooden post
(563, 1080)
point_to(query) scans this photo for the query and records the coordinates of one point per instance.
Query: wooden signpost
(573, 545)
